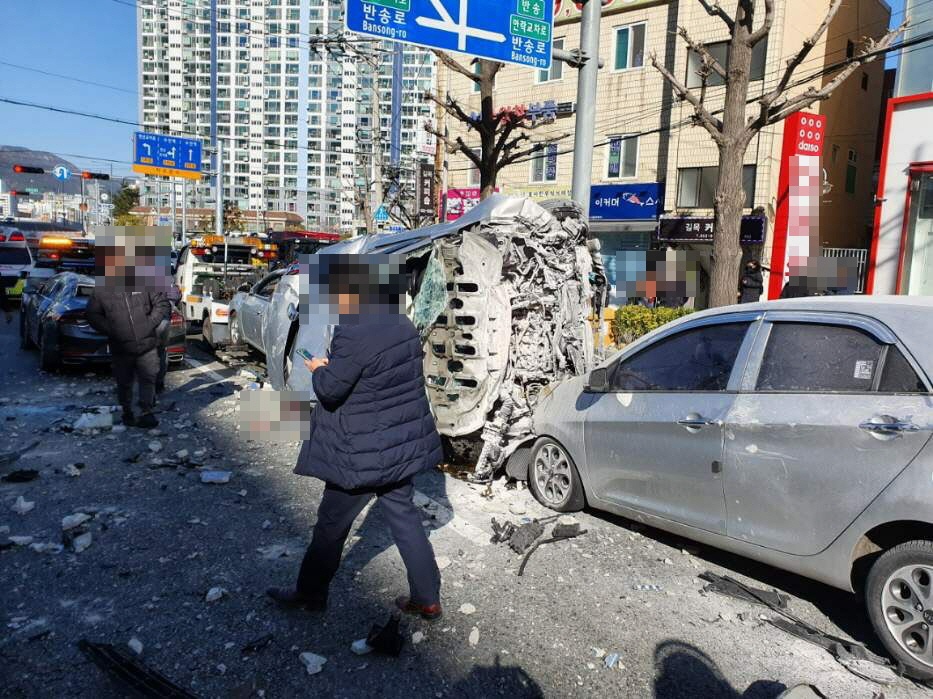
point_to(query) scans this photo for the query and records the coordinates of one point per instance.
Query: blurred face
(348, 304)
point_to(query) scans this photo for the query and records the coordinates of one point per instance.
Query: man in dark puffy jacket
(371, 432)
(131, 318)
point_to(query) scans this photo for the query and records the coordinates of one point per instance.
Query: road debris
(387, 639)
(313, 662)
(214, 594)
(75, 520)
(47, 547)
(561, 532)
(99, 418)
(725, 585)
(23, 475)
(23, 506)
(155, 446)
(443, 562)
(11, 457)
(611, 661)
(467, 608)
(71, 470)
(647, 587)
(258, 644)
(217, 477)
(520, 538)
(135, 645)
(474, 636)
(361, 647)
(131, 672)
(82, 542)
(417, 637)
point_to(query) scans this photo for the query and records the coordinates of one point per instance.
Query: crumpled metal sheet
(518, 301)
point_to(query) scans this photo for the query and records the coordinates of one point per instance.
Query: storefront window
(696, 186)
(918, 258)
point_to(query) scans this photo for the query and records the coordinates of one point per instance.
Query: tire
(892, 600)
(553, 477)
(48, 360)
(236, 337)
(207, 332)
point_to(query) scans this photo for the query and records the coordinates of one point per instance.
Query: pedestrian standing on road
(129, 311)
(371, 432)
(751, 285)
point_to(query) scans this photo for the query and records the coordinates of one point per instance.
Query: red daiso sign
(809, 132)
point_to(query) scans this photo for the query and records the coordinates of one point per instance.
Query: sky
(93, 40)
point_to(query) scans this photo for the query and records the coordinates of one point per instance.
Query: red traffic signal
(94, 175)
(24, 169)
(19, 193)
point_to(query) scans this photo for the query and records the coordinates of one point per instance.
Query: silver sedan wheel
(907, 606)
(235, 330)
(552, 474)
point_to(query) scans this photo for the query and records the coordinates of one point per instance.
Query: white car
(249, 311)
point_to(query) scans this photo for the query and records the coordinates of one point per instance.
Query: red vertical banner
(796, 221)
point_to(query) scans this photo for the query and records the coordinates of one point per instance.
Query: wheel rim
(552, 474)
(907, 607)
(234, 331)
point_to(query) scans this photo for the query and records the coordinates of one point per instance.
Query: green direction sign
(404, 5)
(530, 28)
(531, 8)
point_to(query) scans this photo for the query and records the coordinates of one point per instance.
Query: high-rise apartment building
(293, 110)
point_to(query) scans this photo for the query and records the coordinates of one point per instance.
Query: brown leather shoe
(293, 600)
(430, 612)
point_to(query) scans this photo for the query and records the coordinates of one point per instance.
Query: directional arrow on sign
(460, 28)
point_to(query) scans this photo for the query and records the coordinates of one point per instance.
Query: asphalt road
(162, 539)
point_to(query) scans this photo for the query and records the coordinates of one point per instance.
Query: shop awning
(648, 225)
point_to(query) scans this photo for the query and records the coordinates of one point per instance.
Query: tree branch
(715, 10)
(811, 95)
(765, 28)
(456, 67)
(700, 48)
(453, 108)
(797, 59)
(454, 145)
(703, 117)
(531, 150)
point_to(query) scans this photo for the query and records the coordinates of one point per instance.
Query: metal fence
(861, 260)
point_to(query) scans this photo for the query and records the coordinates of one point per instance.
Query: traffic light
(28, 169)
(94, 175)
(19, 193)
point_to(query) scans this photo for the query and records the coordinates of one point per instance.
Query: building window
(696, 187)
(544, 166)
(851, 171)
(622, 157)
(630, 46)
(557, 67)
(720, 51)
(473, 178)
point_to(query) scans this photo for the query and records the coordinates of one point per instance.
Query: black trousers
(129, 369)
(336, 513)
(163, 366)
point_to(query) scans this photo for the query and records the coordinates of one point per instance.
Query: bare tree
(504, 133)
(734, 130)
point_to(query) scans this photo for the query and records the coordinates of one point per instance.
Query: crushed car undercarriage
(504, 305)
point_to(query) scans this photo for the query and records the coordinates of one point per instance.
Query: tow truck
(209, 271)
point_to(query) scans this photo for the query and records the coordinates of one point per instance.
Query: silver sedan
(796, 432)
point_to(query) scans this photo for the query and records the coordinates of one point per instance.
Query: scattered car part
(561, 532)
(519, 538)
(725, 585)
(131, 672)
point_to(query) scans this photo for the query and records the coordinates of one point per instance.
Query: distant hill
(12, 155)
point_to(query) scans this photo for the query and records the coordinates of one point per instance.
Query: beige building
(646, 144)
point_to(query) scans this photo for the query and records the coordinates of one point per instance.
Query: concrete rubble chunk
(181, 454)
(567, 520)
(218, 477)
(417, 637)
(22, 505)
(467, 608)
(136, 645)
(517, 508)
(361, 647)
(71, 470)
(443, 562)
(21, 540)
(474, 637)
(47, 547)
(313, 662)
(75, 520)
(81, 543)
(611, 661)
(155, 446)
(98, 419)
(214, 594)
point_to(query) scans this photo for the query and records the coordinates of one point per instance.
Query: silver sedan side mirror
(598, 381)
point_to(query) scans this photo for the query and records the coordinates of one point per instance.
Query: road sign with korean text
(510, 31)
(168, 156)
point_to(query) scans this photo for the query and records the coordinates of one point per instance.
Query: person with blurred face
(129, 311)
(372, 431)
(751, 284)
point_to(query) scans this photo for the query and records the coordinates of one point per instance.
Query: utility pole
(219, 200)
(586, 104)
(174, 204)
(184, 212)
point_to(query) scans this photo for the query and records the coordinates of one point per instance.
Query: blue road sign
(510, 31)
(382, 215)
(169, 156)
(61, 172)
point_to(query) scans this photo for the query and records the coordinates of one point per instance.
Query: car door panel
(654, 443)
(801, 461)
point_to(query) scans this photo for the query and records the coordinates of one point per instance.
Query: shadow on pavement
(844, 609)
(683, 670)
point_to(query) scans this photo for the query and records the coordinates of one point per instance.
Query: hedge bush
(631, 322)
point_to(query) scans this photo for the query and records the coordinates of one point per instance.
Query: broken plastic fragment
(22, 505)
(313, 662)
(219, 477)
(474, 636)
(82, 542)
(361, 647)
(136, 645)
(214, 594)
(75, 520)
